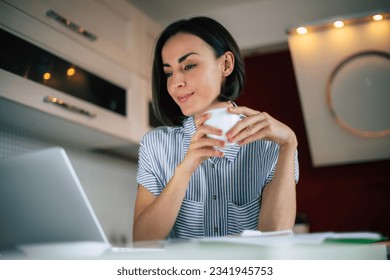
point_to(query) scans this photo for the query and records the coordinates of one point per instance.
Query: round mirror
(358, 94)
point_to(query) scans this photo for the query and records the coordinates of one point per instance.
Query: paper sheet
(287, 238)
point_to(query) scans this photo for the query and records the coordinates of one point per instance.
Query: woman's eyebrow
(181, 59)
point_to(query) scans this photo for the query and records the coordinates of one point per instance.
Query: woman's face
(194, 74)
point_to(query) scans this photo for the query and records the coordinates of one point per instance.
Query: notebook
(44, 209)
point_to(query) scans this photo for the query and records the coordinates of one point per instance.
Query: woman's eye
(190, 66)
(168, 74)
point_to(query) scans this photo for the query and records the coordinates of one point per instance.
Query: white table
(198, 250)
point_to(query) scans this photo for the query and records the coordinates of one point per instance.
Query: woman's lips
(184, 98)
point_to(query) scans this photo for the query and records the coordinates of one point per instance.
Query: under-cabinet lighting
(377, 17)
(302, 30)
(339, 23)
(46, 76)
(71, 71)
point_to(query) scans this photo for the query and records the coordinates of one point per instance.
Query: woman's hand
(260, 125)
(201, 147)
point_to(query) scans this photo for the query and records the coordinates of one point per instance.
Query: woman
(188, 188)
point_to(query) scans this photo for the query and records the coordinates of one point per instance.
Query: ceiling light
(338, 24)
(341, 22)
(377, 17)
(301, 30)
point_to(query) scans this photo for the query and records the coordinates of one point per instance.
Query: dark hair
(221, 41)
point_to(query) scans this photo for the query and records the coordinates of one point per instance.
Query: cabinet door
(123, 34)
(116, 130)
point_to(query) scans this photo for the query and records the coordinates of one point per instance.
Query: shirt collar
(190, 129)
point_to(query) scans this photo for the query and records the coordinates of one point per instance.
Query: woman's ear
(227, 63)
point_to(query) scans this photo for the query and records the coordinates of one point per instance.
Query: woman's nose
(177, 82)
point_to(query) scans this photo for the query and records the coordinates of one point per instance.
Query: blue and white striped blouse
(224, 194)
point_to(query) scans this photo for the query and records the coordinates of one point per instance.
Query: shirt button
(212, 165)
(214, 197)
(215, 230)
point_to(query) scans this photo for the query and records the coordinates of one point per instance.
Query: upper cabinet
(119, 31)
(109, 45)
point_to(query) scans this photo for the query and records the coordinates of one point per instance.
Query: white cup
(222, 119)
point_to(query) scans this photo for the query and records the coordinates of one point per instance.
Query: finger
(203, 152)
(200, 120)
(247, 125)
(249, 132)
(204, 130)
(261, 134)
(209, 152)
(205, 142)
(243, 110)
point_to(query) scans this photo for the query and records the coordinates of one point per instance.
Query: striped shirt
(223, 195)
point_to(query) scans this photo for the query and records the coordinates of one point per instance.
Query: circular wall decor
(358, 94)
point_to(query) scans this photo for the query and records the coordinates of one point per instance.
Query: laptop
(44, 210)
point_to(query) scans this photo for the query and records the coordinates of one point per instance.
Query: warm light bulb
(338, 24)
(377, 17)
(301, 30)
(46, 76)
(71, 71)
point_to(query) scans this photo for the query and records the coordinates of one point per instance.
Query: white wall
(316, 56)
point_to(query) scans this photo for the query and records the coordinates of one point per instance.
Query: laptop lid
(42, 201)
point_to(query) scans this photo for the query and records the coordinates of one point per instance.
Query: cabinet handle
(63, 104)
(71, 25)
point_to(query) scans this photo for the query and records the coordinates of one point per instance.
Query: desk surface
(202, 250)
(198, 250)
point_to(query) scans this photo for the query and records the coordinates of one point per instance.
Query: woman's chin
(187, 112)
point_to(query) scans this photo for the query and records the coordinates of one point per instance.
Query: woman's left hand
(259, 125)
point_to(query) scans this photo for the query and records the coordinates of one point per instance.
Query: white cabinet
(124, 35)
(121, 54)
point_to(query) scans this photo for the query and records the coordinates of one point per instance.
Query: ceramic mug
(222, 119)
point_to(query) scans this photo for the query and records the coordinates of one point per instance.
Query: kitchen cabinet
(123, 34)
(121, 55)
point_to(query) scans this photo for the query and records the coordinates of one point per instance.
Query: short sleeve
(296, 169)
(146, 174)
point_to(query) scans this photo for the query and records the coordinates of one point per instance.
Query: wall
(109, 182)
(353, 197)
(358, 92)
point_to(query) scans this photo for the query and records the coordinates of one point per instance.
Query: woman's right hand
(201, 147)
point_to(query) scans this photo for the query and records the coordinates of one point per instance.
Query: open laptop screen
(42, 201)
